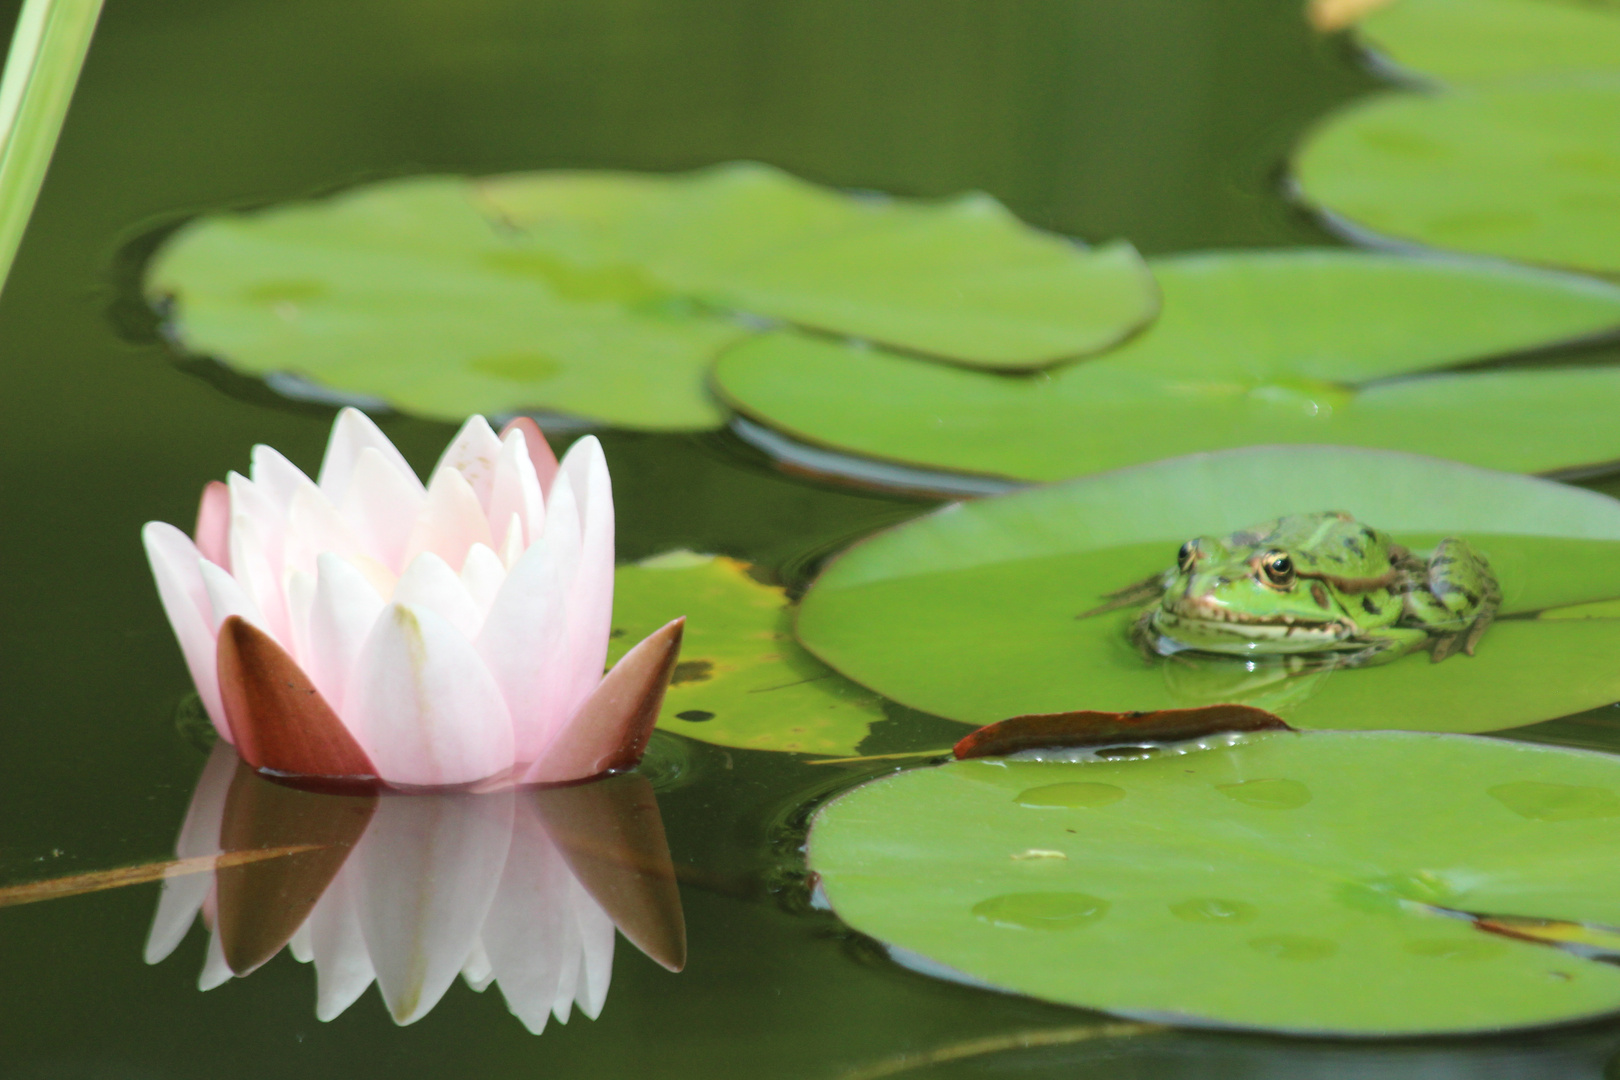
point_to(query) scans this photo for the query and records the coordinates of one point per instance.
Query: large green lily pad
(1527, 170)
(971, 612)
(607, 295)
(1252, 347)
(1472, 40)
(1293, 882)
(742, 680)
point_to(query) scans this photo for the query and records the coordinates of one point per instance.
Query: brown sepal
(1041, 731)
(278, 719)
(610, 731)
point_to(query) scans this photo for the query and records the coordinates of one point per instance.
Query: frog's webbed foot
(1145, 637)
(1464, 640)
(1141, 592)
(1460, 601)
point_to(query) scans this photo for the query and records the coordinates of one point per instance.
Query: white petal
(516, 491)
(342, 963)
(513, 546)
(256, 563)
(176, 568)
(482, 576)
(524, 644)
(300, 591)
(476, 971)
(268, 519)
(314, 526)
(451, 521)
(424, 706)
(472, 453)
(345, 609)
(273, 474)
(430, 583)
(428, 868)
(352, 434)
(381, 508)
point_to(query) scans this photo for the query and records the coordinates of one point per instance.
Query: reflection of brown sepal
(262, 904)
(277, 717)
(610, 731)
(610, 832)
(1041, 731)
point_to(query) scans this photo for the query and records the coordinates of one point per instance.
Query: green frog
(1322, 590)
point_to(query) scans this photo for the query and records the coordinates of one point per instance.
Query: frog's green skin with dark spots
(1319, 586)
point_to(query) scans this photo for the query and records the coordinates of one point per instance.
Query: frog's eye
(1278, 568)
(1185, 557)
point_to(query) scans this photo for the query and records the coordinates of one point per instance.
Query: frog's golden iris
(1314, 585)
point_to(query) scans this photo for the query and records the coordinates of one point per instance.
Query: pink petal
(280, 720)
(176, 567)
(213, 530)
(610, 731)
(590, 601)
(226, 597)
(273, 474)
(545, 462)
(430, 583)
(314, 526)
(381, 508)
(352, 434)
(451, 521)
(428, 869)
(428, 711)
(524, 644)
(516, 492)
(340, 618)
(482, 575)
(473, 453)
(257, 530)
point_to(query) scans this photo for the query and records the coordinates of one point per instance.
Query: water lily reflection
(523, 888)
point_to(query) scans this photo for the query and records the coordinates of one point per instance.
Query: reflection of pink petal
(342, 963)
(427, 872)
(426, 707)
(183, 894)
(213, 531)
(280, 720)
(177, 568)
(610, 731)
(545, 462)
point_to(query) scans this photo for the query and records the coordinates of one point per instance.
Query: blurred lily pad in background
(606, 295)
(1522, 169)
(1252, 347)
(1309, 883)
(742, 680)
(1460, 41)
(971, 612)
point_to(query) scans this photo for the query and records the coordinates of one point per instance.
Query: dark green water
(1160, 120)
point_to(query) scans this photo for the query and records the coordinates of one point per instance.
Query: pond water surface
(1158, 120)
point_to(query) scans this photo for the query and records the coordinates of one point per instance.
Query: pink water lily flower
(362, 625)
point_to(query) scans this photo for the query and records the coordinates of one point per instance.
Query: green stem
(42, 68)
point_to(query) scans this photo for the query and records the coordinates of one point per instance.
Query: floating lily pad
(607, 295)
(1470, 40)
(971, 612)
(961, 279)
(742, 680)
(1313, 883)
(1527, 170)
(1253, 347)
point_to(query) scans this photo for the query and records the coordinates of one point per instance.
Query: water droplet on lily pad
(1294, 947)
(1042, 910)
(1071, 795)
(1268, 794)
(1541, 801)
(1208, 909)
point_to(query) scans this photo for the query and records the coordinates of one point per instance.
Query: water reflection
(520, 888)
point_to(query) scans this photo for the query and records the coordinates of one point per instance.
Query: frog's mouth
(1197, 623)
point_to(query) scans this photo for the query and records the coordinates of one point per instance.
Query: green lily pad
(961, 279)
(1527, 170)
(1253, 347)
(1312, 883)
(607, 295)
(742, 680)
(971, 612)
(1471, 40)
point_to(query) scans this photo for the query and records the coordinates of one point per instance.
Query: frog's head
(1256, 591)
